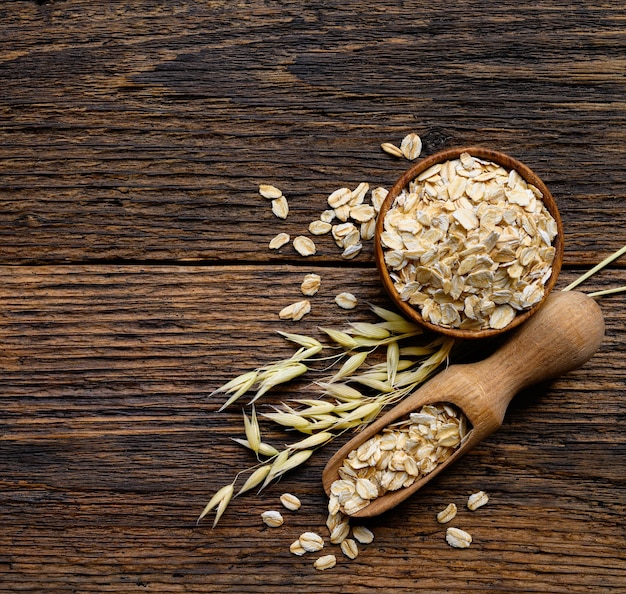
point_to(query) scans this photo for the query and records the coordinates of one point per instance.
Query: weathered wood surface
(135, 278)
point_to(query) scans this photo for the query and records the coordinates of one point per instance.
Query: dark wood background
(135, 279)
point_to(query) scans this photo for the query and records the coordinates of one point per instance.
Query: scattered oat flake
(457, 538)
(269, 192)
(342, 212)
(304, 245)
(325, 562)
(296, 548)
(378, 197)
(411, 146)
(296, 311)
(391, 149)
(362, 534)
(346, 300)
(319, 227)
(290, 502)
(358, 194)
(272, 518)
(339, 198)
(448, 514)
(311, 284)
(280, 207)
(339, 533)
(351, 251)
(476, 500)
(311, 542)
(362, 213)
(368, 229)
(327, 216)
(279, 241)
(349, 548)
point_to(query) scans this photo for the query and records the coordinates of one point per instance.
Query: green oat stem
(607, 291)
(596, 268)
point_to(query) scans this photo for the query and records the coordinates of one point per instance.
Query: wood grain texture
(110, 451)
(135, 279)
(141, 131)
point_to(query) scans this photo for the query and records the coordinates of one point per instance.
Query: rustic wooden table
(136, 279)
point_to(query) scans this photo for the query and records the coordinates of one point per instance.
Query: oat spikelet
(363, 414)
(274, 467)
(401, 327)
(315, 410)
(341, 338)
(265, 449)
(427, 367)
(313, 441)
(305, 341)
(294, 421)
(279, 374)
(253, 431)
(221, 499)
(293, 461)
(368, 330)
(393, 360)
(304, 354)
(417, 351)
(256, 478)
(364, 342)
(342, 392)
(350, 366)
(239, 385)
(284, 463)
(373, 383)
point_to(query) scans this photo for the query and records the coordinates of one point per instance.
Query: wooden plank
(110, 446)
(138, 133)
(141, 133)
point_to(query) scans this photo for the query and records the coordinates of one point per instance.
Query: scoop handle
(564, 333)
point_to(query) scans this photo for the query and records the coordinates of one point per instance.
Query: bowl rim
(508, 163)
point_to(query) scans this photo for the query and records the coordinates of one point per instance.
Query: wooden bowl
(508, 163)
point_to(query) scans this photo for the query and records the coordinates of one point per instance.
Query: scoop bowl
(508, 163)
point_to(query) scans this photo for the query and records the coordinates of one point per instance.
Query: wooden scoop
(564, 333)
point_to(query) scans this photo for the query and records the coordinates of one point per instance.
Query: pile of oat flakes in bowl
(468, 243)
